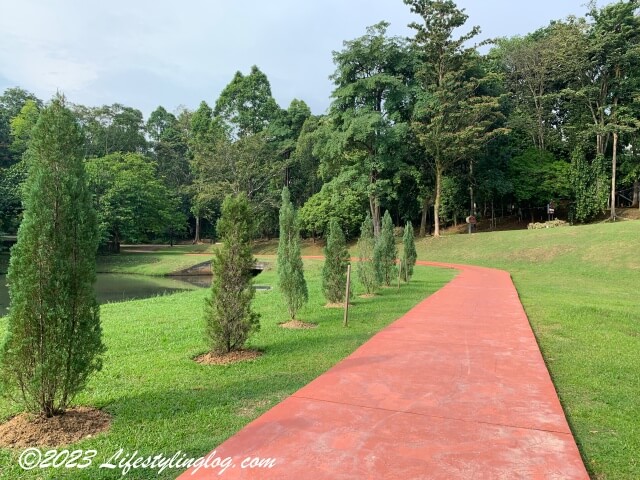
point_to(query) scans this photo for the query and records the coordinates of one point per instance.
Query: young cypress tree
(54, 339)
(290, 269)
(409, 255)
(229, 318)
(385, 253)
(334, 271)
(366, 268)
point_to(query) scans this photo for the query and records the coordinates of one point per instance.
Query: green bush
(334, 271)
(366, 268)
(229, 317)
(386, 253)
(290, 269)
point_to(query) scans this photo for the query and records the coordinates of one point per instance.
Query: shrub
(409, 254)
(290, 269)
(229, 318)
(385, 253)
(366, 268)
(334, 271)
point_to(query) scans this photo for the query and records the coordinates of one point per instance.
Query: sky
(145, 53)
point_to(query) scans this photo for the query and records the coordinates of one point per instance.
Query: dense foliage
(54, 340)
(409, 254)
(430, 128)
(385, 253)
(290, 270)
(366, 268)
(336, 260)
(229, 317)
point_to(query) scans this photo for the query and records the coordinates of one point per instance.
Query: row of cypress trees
(377, 257)
(377, 263)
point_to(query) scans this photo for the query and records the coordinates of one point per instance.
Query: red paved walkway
(455, 389)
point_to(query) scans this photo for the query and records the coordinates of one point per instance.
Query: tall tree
(303, 178)
(453, 117)
(336, 259)
(290, 269)
(12, 101)
(229, 317)
(54, 340)
(538, 68)
(368, 115)
(609, 80)
(22, 126)
(112, 128)
(205, 134)
(246, 104)
(589, 184)
(133, 205)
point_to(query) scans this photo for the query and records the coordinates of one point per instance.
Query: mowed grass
(158, 260)
(164, 402)
(580, 289)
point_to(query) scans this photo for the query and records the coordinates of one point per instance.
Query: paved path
(455, 389)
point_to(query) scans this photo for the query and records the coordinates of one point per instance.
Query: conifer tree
(334, 272)
(409, 254)
(290, 269)
(54, 339)
(229, 317)
(385, 253)
(366, 268)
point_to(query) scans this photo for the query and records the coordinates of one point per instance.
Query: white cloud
(99, 52)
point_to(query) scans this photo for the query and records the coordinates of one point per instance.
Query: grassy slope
(162, 260)
(579, 286)
(162, 401)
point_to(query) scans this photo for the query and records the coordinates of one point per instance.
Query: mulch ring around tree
(298, 325)
(236, 356)
(28, 430)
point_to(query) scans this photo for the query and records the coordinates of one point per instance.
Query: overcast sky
(145, 53)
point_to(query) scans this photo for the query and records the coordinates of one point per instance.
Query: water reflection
(114, 287)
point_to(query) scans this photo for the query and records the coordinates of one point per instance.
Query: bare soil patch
(335, 305)
(27, 430)
(298, 325)
(367, 295)
(211, 358)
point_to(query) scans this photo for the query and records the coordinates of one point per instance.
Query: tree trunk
(374, 206)
(636, 194)
(197, 236)
(472, 204)
(436, 204)
(493, 216)
(613, 175)
(423, 221)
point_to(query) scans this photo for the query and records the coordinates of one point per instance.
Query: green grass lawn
(579, 287)
(161, 260)
(162, 401)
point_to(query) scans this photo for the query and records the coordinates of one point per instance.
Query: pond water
(113, 287)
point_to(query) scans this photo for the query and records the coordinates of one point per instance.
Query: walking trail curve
(455, 389)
